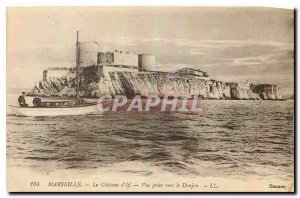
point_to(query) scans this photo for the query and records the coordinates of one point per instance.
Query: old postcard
(150, 99)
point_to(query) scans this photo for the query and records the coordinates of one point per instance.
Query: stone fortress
(124, 73)
(114, 61)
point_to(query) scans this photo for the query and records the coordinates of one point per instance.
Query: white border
(289, 4)
(274, 3)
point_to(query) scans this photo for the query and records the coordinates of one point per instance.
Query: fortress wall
(103, 70)
(124, 58)
(107, 69)
(117, 58)
(105, 58)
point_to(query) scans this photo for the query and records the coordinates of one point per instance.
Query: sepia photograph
(150, 99)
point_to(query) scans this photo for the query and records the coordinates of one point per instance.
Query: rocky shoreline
(153, 83)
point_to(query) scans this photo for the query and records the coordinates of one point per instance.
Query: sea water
(228, 139)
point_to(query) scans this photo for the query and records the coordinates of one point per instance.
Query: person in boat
(22, 101)
(37, 102)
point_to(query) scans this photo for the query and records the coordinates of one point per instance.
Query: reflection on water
(228, 139)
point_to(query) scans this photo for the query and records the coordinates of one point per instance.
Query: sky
(231, 44)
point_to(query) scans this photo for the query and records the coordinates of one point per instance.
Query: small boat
(58, 107)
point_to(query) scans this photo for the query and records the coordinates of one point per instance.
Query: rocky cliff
(149, 83)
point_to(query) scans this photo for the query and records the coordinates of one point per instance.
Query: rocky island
(152, 83)
(124, 73)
